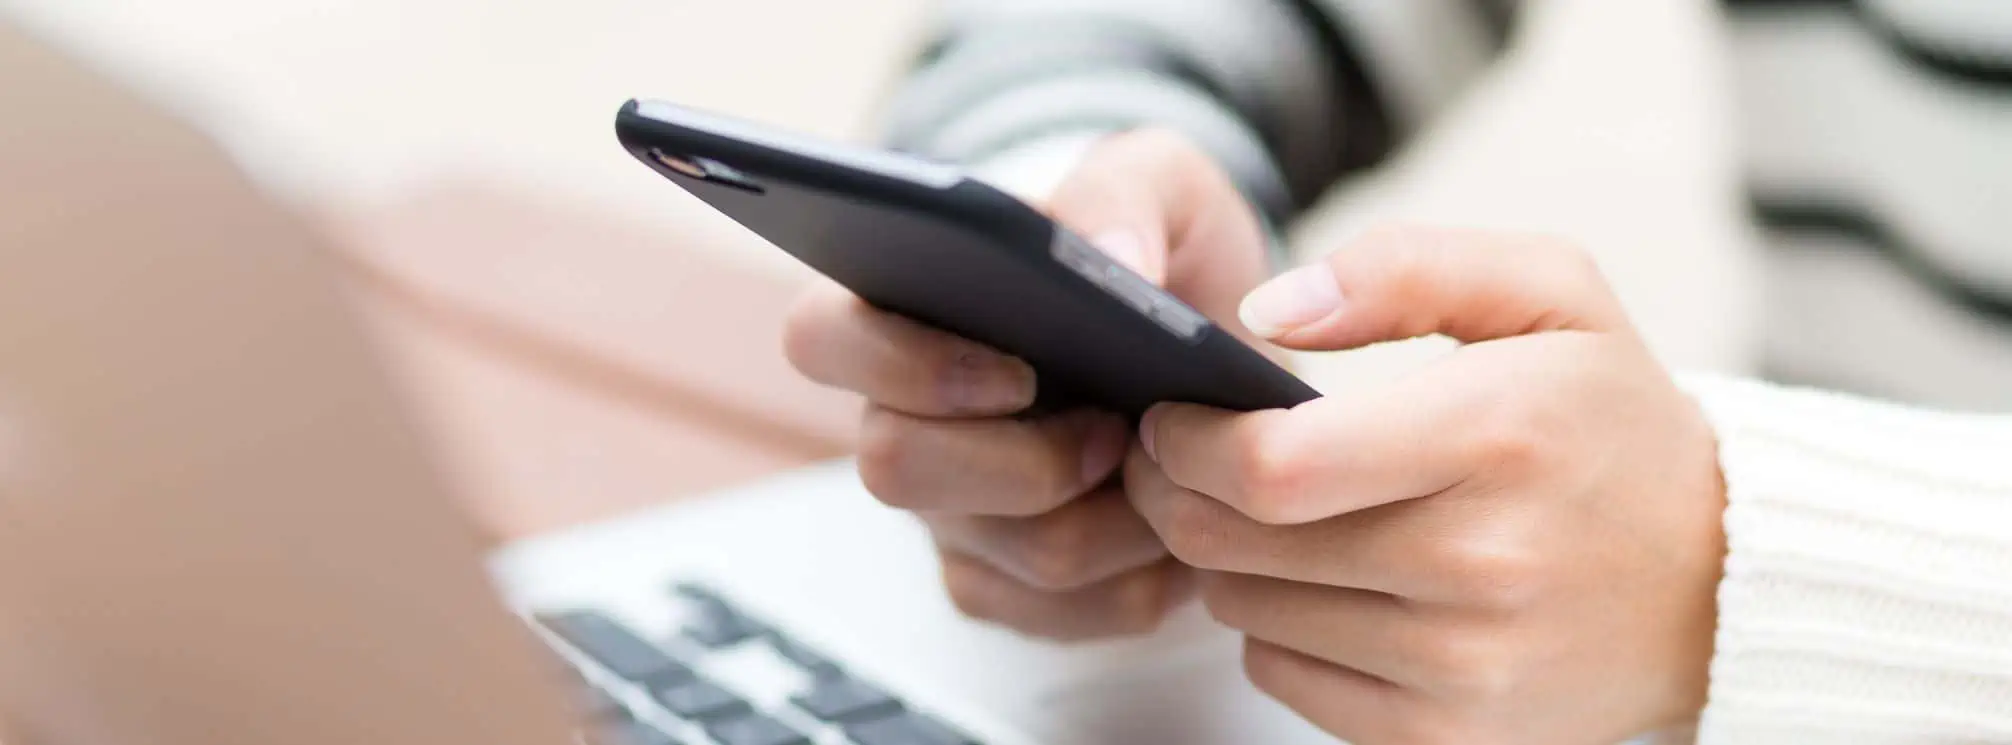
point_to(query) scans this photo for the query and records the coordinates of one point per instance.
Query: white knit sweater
(1868, 589)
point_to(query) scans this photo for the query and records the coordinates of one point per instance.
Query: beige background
(364, 101)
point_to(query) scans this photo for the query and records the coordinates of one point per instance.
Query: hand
(1518, 544)
(1032, 530)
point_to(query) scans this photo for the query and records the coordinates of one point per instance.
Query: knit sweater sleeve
(1868, 586)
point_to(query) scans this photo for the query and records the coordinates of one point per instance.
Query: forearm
(1286, 94)
(1868, 588)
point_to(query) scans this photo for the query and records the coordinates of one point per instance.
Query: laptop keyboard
(724, 678)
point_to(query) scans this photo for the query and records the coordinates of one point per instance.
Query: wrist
(1705, 570)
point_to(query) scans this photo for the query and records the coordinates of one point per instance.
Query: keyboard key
(595, 705)
(715, 624)
(908, 728)
(625, 733)
(755, 729)
(818, 665)
(615, 647)
(701, 701)
(846, 700)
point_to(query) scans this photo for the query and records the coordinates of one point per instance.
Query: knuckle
(1485, 671)
(1273, 476)
(803, 337)
(1514, 436)
(1057, 477)
(1223, 601)
(1475, 664)
(1272, 490)
(1398, 262)
(1057, 553)
(937, 368)
(1268, 669)
(1568, 269)
(1144, 602)
(1497, 573)
(1196, 533)
(1574, 264)
(968, 593)
(1512, 451)
(886, 444)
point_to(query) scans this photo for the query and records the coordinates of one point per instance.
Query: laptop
(217, 526)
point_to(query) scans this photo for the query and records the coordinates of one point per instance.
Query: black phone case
(923, 241)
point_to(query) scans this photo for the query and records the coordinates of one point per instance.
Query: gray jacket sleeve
(1286, 94)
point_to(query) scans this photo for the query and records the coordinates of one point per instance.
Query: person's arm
(1868, 590)
(1285, 94)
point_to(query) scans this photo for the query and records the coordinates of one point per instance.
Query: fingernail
(989, 382)
(1146, 427)
(1104, 448)
(1124, 247)
(1291, 300)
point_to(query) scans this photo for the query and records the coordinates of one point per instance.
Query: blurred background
(584, 338)
(364, 102)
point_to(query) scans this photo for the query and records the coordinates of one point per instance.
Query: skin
(1032, 529)
(1517, 544)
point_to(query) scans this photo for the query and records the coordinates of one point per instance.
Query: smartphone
(922, 240)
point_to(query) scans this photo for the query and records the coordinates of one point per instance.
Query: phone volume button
(1081, 258)
(1180, 319)
(1131, 289)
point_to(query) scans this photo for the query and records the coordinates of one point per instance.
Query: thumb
(1108, 199)
(1401, 283)
(1147, 196)
(1153, 200)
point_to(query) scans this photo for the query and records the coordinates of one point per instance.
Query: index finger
(835, 338)
(1327, 457)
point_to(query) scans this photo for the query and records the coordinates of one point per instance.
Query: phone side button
(1136, 292)
(1183, 321)
(1080, 257)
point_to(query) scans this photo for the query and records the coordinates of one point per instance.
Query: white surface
(812, 551)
